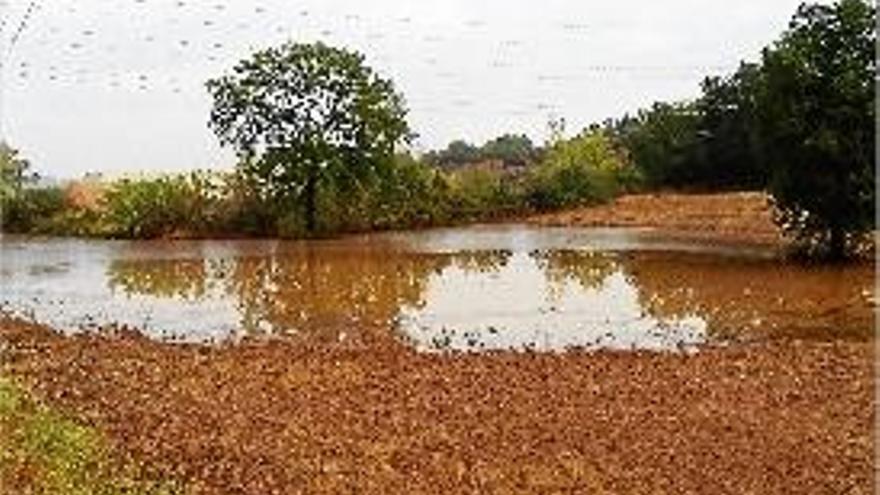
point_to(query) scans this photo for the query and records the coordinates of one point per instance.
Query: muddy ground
(272, 417)
(745, 217)
(777, 416)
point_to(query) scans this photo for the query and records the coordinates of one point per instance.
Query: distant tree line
(322, 142)
(512, 150)
(799, 123)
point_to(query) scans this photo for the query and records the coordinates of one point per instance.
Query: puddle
(472, 289)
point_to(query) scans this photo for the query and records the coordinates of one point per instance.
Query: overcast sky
(118, 85)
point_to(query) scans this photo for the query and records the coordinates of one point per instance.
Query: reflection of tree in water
(317, 292)
(744, 299)
(482, 261)
(169, 278)
(590, 269)
(324, 291)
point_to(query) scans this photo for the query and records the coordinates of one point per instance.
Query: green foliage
(403, 193)
(585, 169)
(243, 208)
(22, 209)
(801, 123)
(457, 153)
(43, 452)
(711, 143)
(307, 116)
(662, 142)
(731, 154)
(818, 114)
(71, 221)
(31, 210)
(406, 192)
(511, 149)
(478, 193)
(14, 172)
(165, 206)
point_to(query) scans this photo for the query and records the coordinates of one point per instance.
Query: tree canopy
(584, 169)
(818, 118)
(511, 149)
(301, 115)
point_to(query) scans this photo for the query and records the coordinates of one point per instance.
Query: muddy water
(478, 288)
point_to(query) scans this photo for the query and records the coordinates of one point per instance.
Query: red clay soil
(270, 417)
(735, 217)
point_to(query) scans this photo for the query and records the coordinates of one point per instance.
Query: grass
(42, 452)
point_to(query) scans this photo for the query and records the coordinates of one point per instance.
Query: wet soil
(745, 217)
(277, 417)
(788, 408)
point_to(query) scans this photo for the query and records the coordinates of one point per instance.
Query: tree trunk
(837, 244)
(311, 197)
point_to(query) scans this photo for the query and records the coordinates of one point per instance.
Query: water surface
(475, 288)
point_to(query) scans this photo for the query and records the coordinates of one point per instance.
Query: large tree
(818, 116)
(303, 114)
(663, 142)
(729, 137)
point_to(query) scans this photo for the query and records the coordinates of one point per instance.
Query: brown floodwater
(475, 288)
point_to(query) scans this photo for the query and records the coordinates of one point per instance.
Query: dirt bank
(271, 417)
(734, 217)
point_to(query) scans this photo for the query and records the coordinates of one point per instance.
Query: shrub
(165, 206)
(31, 210)
(475, 193)
(584, 169)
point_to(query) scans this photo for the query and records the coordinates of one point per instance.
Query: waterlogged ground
(485, 288)
(337, 394)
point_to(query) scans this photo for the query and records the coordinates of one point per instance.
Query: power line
(25, 20)
(22, 26)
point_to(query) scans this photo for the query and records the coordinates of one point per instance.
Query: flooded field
(479, 288)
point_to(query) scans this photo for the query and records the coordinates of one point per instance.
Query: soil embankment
(272, 417)
(731, 217)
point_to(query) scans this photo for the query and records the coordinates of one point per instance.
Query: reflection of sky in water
(505, 287)
(65, 284)
(519, 307)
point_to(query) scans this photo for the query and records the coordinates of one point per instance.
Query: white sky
(115, 85)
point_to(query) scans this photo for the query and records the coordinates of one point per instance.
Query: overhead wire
(22, 26)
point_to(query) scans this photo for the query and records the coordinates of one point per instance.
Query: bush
(478, 193)
(407, 193)
(584, 169)
(402, 193)
(166, 206)
(31, 210)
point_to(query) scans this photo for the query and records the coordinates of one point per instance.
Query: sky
(118, 85)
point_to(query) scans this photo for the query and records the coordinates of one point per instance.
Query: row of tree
(512, 150)
(799, 123)
(319, 135)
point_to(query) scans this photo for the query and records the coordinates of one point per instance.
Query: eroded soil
(734, 217)
(273, 417)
